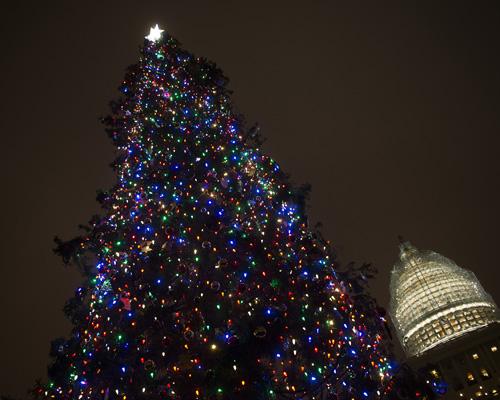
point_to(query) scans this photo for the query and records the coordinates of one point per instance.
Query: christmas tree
(203, 279)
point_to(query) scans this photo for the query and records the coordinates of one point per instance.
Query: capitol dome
(433, 300)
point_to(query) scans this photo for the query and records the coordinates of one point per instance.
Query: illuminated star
(146, 246)
(154, 34)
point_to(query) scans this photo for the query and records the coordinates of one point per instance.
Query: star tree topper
(154, 34)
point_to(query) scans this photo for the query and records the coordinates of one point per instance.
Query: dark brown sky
(389, 109)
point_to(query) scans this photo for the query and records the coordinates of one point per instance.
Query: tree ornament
(146, 246)
(149, 365)
(250, 169)
(126, 303)
(215, 286)
(260, 332)
(206, 244)
(233, 339)
(188, 334)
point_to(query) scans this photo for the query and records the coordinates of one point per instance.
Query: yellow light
(485, 373)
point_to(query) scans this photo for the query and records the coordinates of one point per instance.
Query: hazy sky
(389, 109)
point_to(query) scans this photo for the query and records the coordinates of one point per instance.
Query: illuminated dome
(433, 300)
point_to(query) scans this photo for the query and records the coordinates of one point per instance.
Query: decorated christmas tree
(203, 279)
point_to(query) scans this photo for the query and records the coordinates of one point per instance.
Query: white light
(154, 34)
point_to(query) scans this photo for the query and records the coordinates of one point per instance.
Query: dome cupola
(433, 300)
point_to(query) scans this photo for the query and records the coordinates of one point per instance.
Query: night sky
(390, 111)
